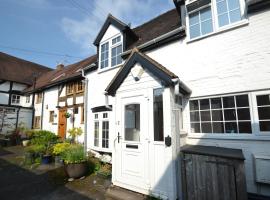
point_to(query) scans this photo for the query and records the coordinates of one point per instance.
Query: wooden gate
(213, 173)
(62, 123)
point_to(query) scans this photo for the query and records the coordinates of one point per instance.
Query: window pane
(206, 128)
(113, 61)
(229, 114)
(217, 115)
(194, 31)
(194, 18)
(158, 115)
(242, 101)
(228, 102)
(235, 15)
(205, 14)
(207, 27)
(263, 100)
(233, 4)
(244, 127)
(222, 7)
(218, 127)
(195, 128)
(194, 116)
(132, 122)
(264, 125)
(105, 134)
(204, 104)
(205, 116)
(264, 112)
(193, 105)
(223, 19)
(96, 134)
(216, 103)
(231, 127)
(243, 114)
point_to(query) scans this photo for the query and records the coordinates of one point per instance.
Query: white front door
(132, 142)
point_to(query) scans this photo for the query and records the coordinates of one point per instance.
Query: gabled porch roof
(166, 76)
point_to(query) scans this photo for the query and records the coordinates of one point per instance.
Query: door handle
(118, 137)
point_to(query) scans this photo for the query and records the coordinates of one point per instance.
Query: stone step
(117, 193)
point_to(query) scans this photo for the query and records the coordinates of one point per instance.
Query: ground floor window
(37, 122)
(227, 114)
(101, 125)
(51, 118)
(263, 106)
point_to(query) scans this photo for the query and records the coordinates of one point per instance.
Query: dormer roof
(111, 20)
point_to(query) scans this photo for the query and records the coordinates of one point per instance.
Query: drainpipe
(85, 108)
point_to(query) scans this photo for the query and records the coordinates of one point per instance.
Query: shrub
(60, 148)
(74, 154)
(36, 149)
(74, 133)
(106, 169)
(43, 137)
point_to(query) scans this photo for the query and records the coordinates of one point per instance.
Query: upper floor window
(104, 55)
(70, 88)
(206, 16)
(15, 99)
(27, 99)
(39, 98)
(110, 52)
(228, 12)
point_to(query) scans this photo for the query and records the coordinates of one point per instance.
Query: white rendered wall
(233, 61)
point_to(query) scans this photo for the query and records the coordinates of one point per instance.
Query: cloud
(83, 32)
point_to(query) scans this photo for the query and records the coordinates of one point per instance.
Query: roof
(157, 26)
(19, 70)
(58, 76)
(213, 151)
(154, 67)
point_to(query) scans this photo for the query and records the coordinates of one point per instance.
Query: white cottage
(185, 77)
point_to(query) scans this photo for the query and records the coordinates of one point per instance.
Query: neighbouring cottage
(15, 106)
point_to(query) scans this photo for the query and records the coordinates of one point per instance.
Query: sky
(50, 32)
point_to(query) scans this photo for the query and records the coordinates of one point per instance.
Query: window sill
(252, 137)
(108, 68)
(239, 24)
(99, 149)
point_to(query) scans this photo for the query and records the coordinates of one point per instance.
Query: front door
(132, 143)
(62, 123)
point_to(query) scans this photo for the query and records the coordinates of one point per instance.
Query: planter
(76, 170)
(46, 159)
(25, 143)
(58, 160)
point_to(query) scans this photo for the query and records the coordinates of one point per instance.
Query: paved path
(17, 182)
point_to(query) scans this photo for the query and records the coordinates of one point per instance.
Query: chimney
(59, 66)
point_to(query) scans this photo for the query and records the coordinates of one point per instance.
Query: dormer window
(116, 51)
(104, 55)
(206, 16)
(110, 52)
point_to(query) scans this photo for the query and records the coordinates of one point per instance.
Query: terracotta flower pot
(76, 170)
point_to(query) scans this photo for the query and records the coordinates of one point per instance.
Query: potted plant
(74, 133)
(105, 171)
(33, 152)
(58, 150)
(75, 161)
(67, 115)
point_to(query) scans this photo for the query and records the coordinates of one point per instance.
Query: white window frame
(256, 114)
(100, 119)
(14, 99)
(110, 53)
(216, 28)
(27, 99)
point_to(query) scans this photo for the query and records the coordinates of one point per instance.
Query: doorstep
(118, 193)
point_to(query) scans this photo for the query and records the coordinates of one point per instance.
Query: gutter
(156, 40)
(179, 84)
(85, 96)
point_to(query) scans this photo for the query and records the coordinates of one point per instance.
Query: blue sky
(65, 27)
